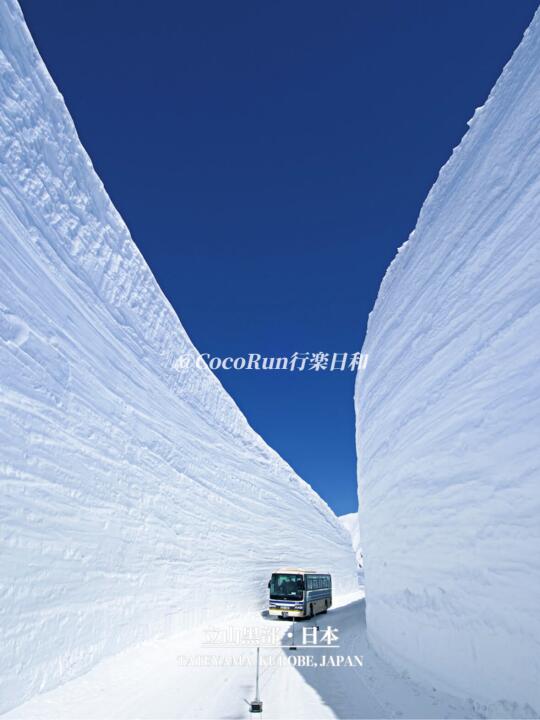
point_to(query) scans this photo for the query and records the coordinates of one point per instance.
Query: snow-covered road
(160, 678)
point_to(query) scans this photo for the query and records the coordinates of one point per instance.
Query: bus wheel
(325, 606)
(311, 613)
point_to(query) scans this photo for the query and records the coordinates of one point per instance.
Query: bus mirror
(269, 583)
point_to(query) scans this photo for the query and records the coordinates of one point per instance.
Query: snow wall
(134, 499)
(351, 524)
(448, 416)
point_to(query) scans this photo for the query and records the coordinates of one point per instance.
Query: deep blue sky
(269, 158)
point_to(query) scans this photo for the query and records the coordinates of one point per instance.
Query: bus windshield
(285, 586)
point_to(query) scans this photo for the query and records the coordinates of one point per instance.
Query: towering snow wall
(133, 498)
(351, 524)
(448, 415)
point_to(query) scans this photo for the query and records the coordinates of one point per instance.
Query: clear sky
(269, 158)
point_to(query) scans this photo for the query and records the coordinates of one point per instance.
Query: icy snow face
(134, 498)
(351, 524)
(448, 415)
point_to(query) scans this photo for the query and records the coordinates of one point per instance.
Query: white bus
(298, 593)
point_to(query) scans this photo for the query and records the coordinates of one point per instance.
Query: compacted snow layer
(351, 524)
(448, 415)
(134, 498)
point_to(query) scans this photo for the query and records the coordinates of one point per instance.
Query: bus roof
(299, 571)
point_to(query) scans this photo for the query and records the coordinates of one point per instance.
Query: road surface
(210, 673)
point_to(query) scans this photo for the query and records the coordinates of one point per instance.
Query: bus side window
(309, 582)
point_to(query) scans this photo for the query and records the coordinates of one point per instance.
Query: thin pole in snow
(257, 677)
(256, 706)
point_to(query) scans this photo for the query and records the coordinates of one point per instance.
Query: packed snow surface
(135, 499)
(209, 672)
(448, 416)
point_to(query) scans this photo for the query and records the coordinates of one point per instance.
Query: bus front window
(285, 586)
